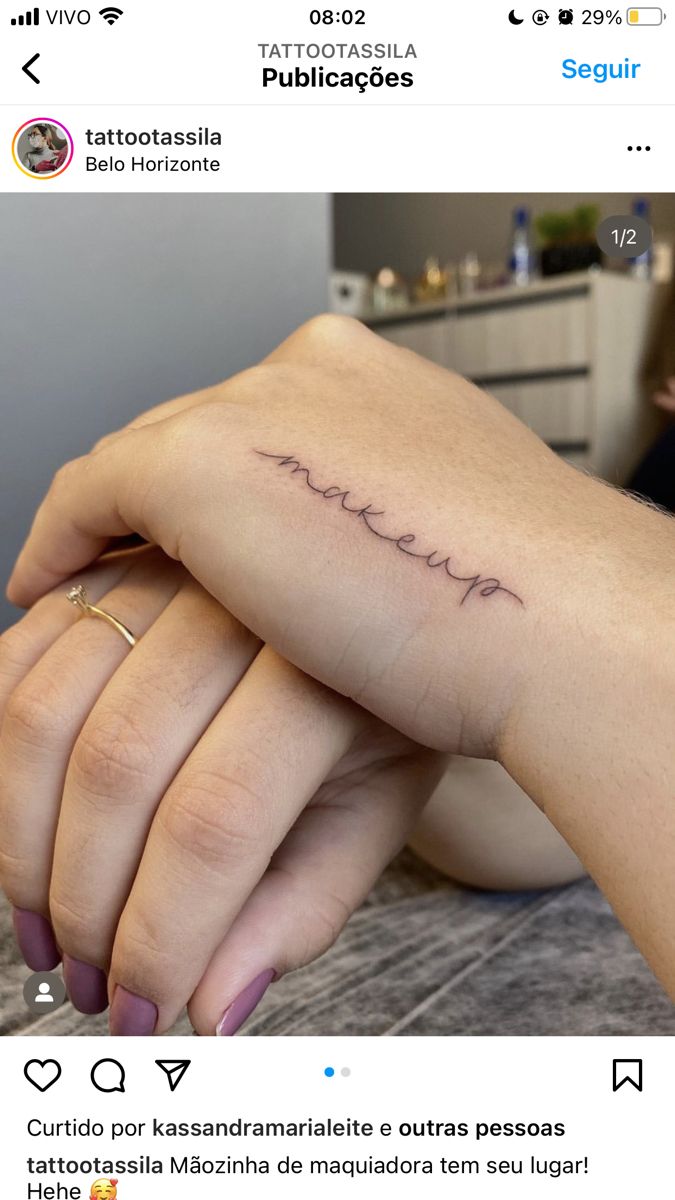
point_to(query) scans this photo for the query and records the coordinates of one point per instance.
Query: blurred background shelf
(566, 355)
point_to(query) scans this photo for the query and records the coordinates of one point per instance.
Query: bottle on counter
(522, 257)
(469, 273)
(390, 291)
(641, 267)
(432, 283)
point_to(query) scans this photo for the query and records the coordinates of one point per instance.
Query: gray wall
(114, 303)
(402, 230)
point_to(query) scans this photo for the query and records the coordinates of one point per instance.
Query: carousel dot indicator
(345, 1072)
(329, 1072)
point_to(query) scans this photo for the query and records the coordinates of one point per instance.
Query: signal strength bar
(29, 18)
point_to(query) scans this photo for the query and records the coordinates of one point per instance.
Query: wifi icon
(111, 14)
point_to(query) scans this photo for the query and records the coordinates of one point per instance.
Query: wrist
(598, 689)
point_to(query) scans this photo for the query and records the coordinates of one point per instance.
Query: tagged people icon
(43, 992)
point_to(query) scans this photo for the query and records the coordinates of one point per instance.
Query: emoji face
(103, 1189)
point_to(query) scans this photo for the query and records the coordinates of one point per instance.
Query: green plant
(563, 228)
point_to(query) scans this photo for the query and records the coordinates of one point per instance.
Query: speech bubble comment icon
(107, 1075)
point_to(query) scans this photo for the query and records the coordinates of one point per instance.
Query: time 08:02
(346, 16)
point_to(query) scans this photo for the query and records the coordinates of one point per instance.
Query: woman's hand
(357, 507)
(399, 536)
(192, 816)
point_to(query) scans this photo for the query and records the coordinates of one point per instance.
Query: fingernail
(131, 1016)
(241, 1008)
(36, 940)
(86, 986)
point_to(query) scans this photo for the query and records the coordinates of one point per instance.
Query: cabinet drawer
(430, 338)
(557, 410)
(496, 341)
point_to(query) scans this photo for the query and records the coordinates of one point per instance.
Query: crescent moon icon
(513, 18)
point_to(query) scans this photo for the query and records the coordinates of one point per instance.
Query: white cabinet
(431, 338)
(566, 355)
(505, 338)
(558, 409)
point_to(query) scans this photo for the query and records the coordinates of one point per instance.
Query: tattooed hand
(395, 533)
(403, 542)
(349, 503)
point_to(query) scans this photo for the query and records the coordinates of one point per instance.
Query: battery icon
(644, 16)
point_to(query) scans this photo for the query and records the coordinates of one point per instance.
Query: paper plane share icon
(174, 1069)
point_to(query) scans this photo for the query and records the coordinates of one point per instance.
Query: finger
(141, 729)
(127, 487)
(23, 644)
(81, 535)
(322, 872)
(154, 415)
(41, 721)
(159, 412)
(257, 766)
(21, 647)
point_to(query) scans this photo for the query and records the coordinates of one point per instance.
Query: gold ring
(78, 596)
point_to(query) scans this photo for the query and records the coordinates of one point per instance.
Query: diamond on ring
(78, 596)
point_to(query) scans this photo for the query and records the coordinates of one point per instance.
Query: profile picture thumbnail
(42, 148)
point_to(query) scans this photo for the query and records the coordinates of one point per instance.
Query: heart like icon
(42, 1073)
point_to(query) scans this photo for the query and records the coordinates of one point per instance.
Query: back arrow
(29, 64)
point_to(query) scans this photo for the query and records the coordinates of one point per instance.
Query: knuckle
(63, 476)
(216, 818)
(36, 715)
(262, 383)
(178, 429)
(329, 327)
(106, 440)
(72, 926)
(14, 652)
(112, 754)
(177, 439)
(16, 873)
(143, 960)
(320, 916)
(330, 915)
(327, 340)
(186, 433)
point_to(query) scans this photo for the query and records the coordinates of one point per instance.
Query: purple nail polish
(131, 1016)
(36, 940)
(242, 1007)
(86, 986)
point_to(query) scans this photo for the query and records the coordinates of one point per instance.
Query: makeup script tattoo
(482, 586)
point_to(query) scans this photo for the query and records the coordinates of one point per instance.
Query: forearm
(590, 737)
